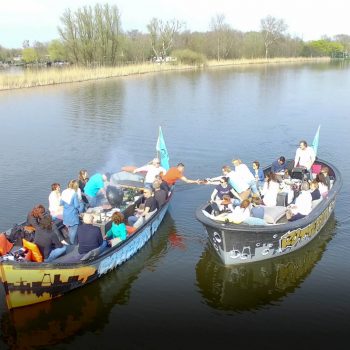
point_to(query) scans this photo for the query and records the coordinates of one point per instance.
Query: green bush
(190, 57)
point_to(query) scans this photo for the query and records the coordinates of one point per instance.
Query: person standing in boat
(152, 171)
(258, 175)
(95, 189)
(55, 208)
(173, 175)
(72, 207)
(304, 156)
(83, 178)
(270, 190)
(47, 241)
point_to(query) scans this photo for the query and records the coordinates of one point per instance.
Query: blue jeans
(95, 201)
(72, 232)
(253, 187)
(55, 253)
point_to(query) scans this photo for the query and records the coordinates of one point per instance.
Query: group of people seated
(68, 211)
(242, 193)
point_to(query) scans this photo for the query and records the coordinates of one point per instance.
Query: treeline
(93, 36)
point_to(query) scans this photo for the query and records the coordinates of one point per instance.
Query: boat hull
(241, 243)
(31, 283)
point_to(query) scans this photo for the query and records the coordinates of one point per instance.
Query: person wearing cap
(152, 171)
(95, 188)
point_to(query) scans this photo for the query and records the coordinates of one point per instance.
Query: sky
(37, 20)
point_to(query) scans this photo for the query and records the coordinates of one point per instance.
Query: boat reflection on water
(251, 286)
(85, 309)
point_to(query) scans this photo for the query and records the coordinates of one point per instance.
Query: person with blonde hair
(72, 207)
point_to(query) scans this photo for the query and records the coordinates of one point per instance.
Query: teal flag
(162, 150)
(314, 144)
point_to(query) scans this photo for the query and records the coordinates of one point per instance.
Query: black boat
(243, 243)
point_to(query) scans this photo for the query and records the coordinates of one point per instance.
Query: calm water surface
(175, 292)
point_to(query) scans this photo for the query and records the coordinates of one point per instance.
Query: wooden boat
(27, 283)
(243, 243)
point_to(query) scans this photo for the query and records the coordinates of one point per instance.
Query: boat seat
(316, 202)
(273, 214)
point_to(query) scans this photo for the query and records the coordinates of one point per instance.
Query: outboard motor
(114, 195)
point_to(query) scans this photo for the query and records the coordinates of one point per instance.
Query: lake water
(175, 292)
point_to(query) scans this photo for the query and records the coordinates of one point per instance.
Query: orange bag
(130, 230)
(5, 244)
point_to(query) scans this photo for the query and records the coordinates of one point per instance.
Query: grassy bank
(51, 76)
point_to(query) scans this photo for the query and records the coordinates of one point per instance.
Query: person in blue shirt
(118, 229)
(279, 166)
(72, 208)
(95, 188)
(258, 175)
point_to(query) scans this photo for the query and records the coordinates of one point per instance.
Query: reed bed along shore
(51, 76)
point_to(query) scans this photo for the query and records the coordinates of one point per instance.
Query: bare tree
(162, 35)
(272, 29)
(223, 34)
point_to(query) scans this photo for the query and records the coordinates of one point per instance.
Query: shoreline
(54, 76)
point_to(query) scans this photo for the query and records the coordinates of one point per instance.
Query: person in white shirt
(152, 171)
(56, 210)
(270, 190)
(245, 174)
(303, 204)
(304, 156)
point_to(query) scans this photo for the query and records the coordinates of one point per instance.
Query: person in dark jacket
(89, 236)
(47, 241)
(160, 195)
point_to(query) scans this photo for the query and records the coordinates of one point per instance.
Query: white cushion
(273, 214)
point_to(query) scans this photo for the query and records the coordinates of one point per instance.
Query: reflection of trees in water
(83, 310)
(250, 286)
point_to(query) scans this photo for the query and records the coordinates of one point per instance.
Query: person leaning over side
(173, 175)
